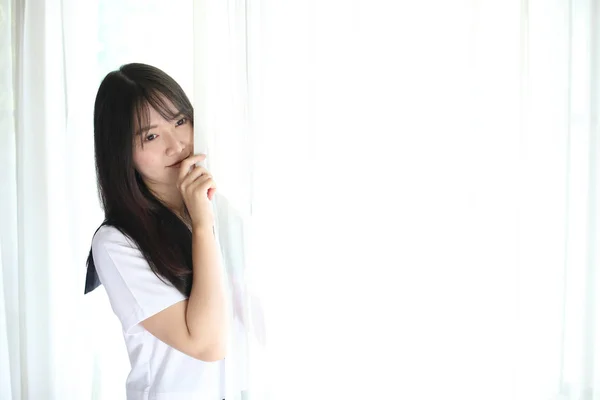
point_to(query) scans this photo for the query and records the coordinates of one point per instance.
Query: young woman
(156, 253)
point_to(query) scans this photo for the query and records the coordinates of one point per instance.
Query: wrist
(203, 228)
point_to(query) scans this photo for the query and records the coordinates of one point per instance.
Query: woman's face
(161, 147)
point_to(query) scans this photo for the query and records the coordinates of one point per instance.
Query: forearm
(206, 312)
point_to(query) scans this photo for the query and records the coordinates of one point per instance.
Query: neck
(171, 197)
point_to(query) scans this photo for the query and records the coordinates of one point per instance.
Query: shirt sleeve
(134, 291)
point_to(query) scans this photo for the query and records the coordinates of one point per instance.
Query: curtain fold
(28, 37)
(10, 380)
(580, 323)
(557, 314)
(222, 130)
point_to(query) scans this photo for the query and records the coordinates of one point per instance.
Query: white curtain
(222, 128)
(37, 326)
(49, 201)
(414, 186)
(8, 244)
(424, 196)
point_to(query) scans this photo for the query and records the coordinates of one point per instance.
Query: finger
(192, 176)
(202, 181)
(191, 186)
(203, 184)
(211, 193)
(186, 164)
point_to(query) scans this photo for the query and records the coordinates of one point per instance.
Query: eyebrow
(147, 128)
(139, 132)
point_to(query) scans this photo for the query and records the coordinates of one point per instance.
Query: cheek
(188, 134)
(145, 161)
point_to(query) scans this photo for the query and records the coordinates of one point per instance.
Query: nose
(174, 145)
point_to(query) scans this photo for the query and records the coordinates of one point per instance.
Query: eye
(151, 137)
(181, 122)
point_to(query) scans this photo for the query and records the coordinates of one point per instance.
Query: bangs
(169, 105)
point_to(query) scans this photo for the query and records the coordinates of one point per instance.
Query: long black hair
(122, 105)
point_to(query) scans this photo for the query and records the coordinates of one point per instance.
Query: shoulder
(108, 234)
(117, 256)
(110, 244)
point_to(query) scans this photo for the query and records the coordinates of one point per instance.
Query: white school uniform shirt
(158, 371)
